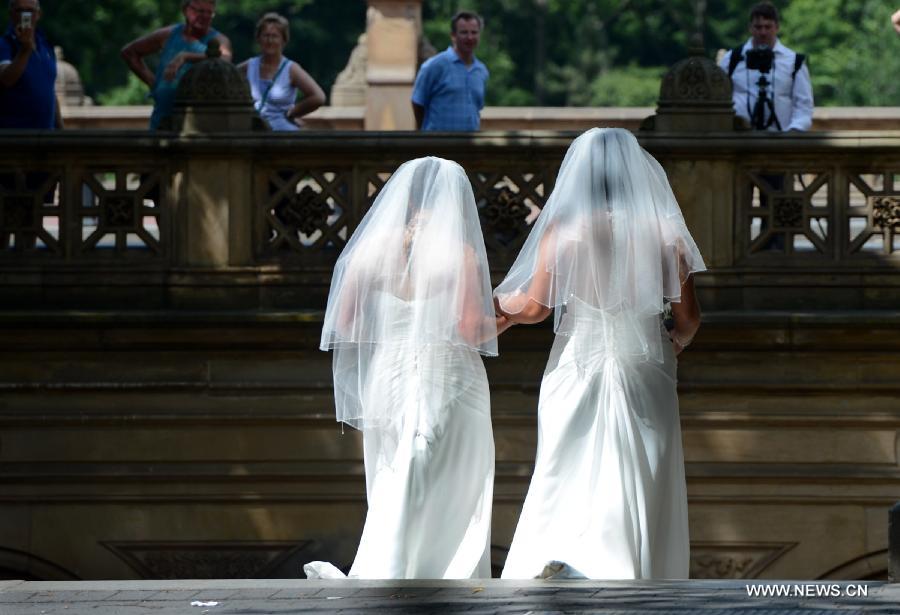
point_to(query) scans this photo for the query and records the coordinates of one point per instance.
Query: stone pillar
(392, 32)
(695, 97)
(894, 544)
(215, 204)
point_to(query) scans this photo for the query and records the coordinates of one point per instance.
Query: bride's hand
(503, 323)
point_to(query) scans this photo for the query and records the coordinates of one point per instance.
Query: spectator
(27, 71)
(895, 19)
(274, 79)
(778, 94)
(180, 46)
(449, 89)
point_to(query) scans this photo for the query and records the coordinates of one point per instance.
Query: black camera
(760, 58)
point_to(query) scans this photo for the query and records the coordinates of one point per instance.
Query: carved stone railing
(86, 217)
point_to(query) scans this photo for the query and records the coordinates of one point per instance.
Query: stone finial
(695, 80)
(213, 96)
(69, 89)
(694, 96)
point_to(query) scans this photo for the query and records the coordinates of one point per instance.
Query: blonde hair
(277, 20)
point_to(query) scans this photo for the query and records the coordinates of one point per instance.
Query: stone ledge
(421, 596)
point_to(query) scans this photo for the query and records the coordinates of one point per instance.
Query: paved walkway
(285, 596)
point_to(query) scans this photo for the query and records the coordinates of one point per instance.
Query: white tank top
(281, 97)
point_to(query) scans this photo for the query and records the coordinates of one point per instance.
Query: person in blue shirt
(179, 46)
(449, 89)
(27, 71)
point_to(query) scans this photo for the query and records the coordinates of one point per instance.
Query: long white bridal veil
(612, 238)
(414, 274)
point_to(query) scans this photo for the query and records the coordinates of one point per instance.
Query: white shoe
(322, 570)
(556, 569)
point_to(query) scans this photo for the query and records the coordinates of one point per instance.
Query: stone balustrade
(810, 219)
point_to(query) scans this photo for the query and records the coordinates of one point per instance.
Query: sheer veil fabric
(409, 317)
(613, 238)
(607, 499)
(419, 244)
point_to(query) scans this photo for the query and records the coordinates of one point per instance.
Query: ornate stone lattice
(30, 213)
(120, 211)
(206, 560)
(306, 212)
(311, 214)
(508, 204)
(873, 214)
(788, 212)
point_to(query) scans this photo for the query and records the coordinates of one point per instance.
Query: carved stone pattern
(119, 211)
(307, 212)
(787, 212)
(734, 560)
(213, 81)
(721, 566)
(205, 564)
(886, 211)
(695, 79)
(505, 211)
(18, 212)
(208, 560)
(692, 82)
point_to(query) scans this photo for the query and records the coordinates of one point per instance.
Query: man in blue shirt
(27, 71)
(449, 89)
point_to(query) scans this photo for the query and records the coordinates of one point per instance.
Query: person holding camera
(27, 71)
(772, 88)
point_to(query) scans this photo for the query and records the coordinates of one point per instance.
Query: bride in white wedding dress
(409, 316)
(607, 499)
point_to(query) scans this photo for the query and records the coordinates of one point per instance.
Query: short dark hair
(467, 15)
(276, 20)
(764, 10)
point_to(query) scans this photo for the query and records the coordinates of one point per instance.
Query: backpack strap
(798, 62)
(735, 59)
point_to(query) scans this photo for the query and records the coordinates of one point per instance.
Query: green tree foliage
(539, 52)
(854, 54)
(92, 32)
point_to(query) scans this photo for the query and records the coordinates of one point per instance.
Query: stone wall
(164, 411)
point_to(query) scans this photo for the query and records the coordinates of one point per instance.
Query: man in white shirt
(774, 92)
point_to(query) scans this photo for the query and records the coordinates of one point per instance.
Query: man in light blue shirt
(449, 89)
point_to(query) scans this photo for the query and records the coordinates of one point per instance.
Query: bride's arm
(686, 314)
(520, 307)
(474, 326)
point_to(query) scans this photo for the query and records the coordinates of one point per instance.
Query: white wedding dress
(430, 476)
(609, 249)
(608, 494)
